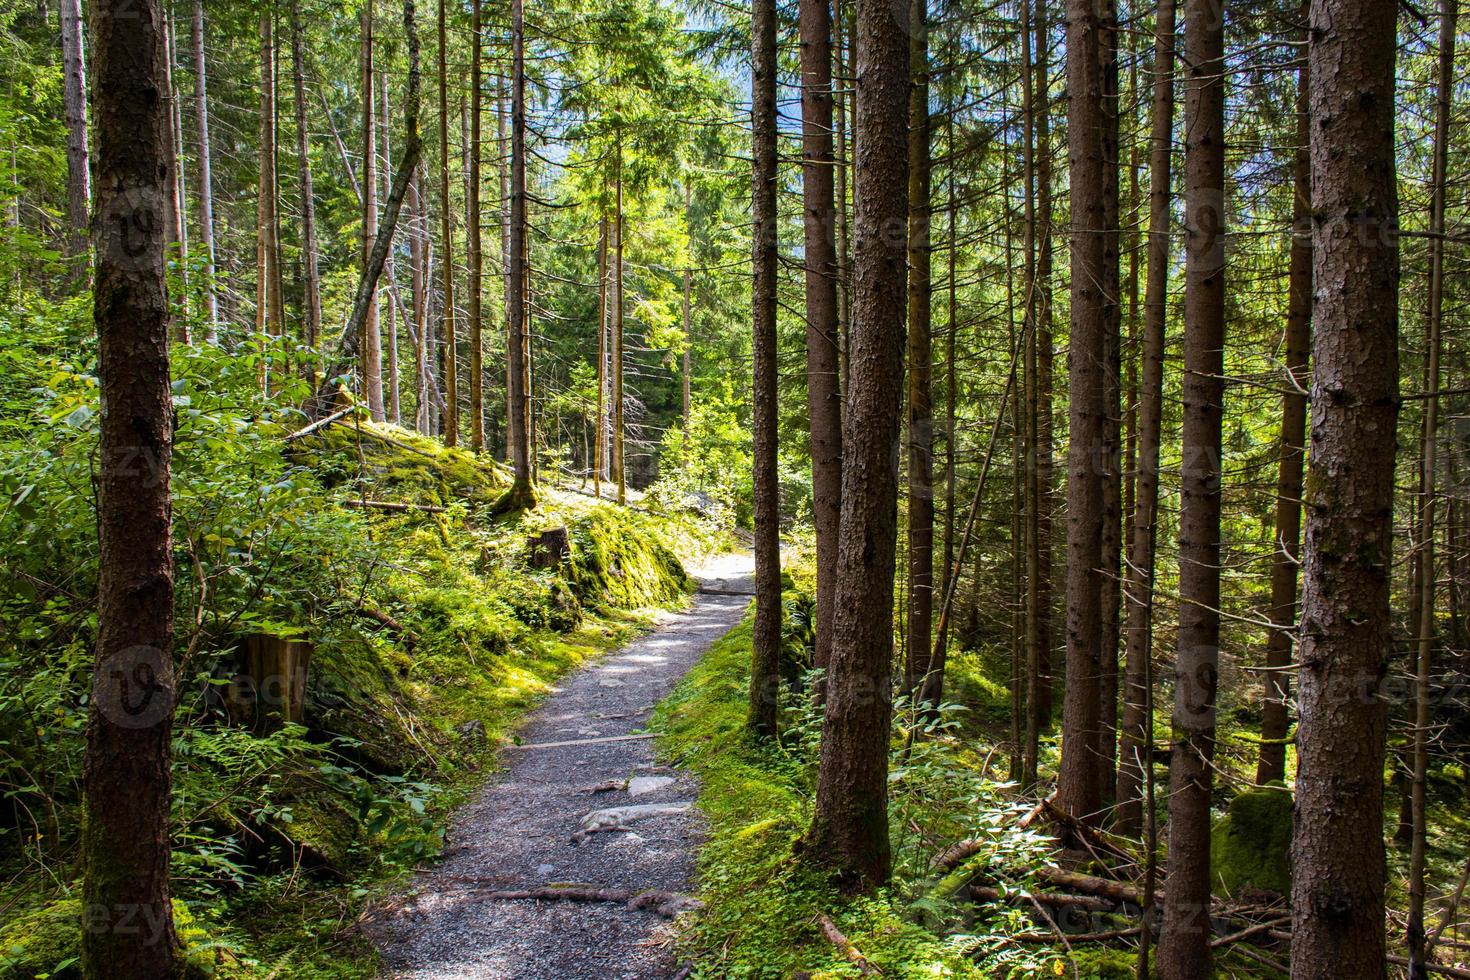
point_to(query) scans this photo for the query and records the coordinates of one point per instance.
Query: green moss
(618, 560)
(1249, 846)
(47, 941)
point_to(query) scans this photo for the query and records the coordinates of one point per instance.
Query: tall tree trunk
(126, 769)
(472, 232)
(951, 397)
(74, 100)
(372, 335)
(1078, 791)
(1337, 848)
(765, 669)
(311, 285)
(1045, 463)
(1423, 716)
(686, 375)
(824, 397)
(849, 828)
(1133, 762)
(347, 345)
(418, 290)
(618, 475)
(1184, 942)
(920, 680)
(450, 336)
(173, 199)
(392, 408)
(502, 167)
(1112, 537)
(841, 158)
(1034, 493)
(270, 317)
(522, 493)
(599, 442)
(1271, 766)
(205, 168)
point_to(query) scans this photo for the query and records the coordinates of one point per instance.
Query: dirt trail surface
(581, 804)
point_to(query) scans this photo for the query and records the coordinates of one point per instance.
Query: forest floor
(581, 808)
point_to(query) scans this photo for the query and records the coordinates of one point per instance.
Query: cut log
(1088, 903)
(269, 690)
(550, 548)
(1091, 885)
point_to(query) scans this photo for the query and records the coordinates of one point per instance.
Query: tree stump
(270, 689)
(550, 548)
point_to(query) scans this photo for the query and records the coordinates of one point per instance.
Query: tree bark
(270, 316)
(599, 441)
(311, 285)
(849, 829)
(1045, 463)
(392, 407)
(920, 680)
(74, 101)
(765, 670)
(824, 398)
(1112, 530)
(173, 201)
(1337, 847)
(1033, 492)
(1138, 633)
(129, 930)
(1184, 947)
(205, 169)
(1271, 766)
(522, 493)
(372, 334)
(472, 233)
(1078, 790)
(448, 331)
(618, 475)
(1428, 465)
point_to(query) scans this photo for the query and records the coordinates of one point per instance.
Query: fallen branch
(1247, 932)
(845, 947)
(984, 893)
(382, 618)
(1092, 885)
(1082, 937)
(320, 424)
(1447, 971)
(393, 505)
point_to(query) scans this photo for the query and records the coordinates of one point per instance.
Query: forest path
(529, 828)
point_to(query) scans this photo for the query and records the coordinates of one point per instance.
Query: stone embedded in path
(639, 785)
(618, 817)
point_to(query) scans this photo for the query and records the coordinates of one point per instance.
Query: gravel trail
(587, 807)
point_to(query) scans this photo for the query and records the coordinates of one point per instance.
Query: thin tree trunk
(1112, 538)
(1078, 790)
(618, 475)
(347, 344)
(1337, 848)
(503, 168)
(393, 408)
(1045, 463)
(173, 200)
(205, 167)
(472, 231)
(126, 768)
(270, 317)
(951, 389)
(1423, 715)
(1033, 502)
(74, 100)
(841, 158)
(1184, 942)
(418, 278)
(849, 829)
(450, 337)
(372, 336)
(925, 680)
(686, 375)
(824, 398)
(599, 442)
(765, 670)
(312, 296)
(522, 493)
(1133, 759)
(1271, 766)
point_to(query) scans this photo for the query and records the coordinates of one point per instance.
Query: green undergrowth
(761, 903)
(432, 632)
